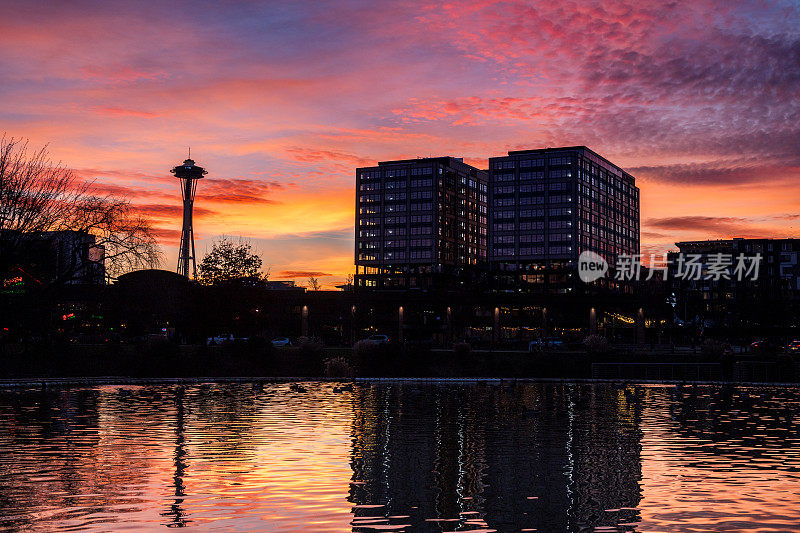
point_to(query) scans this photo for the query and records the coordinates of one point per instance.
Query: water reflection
(176, 513)
(413, 456)
(550, 458)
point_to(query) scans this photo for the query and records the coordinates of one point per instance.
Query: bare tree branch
(38, 196)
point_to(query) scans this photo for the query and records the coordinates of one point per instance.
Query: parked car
(280, 342)
(551, 343)
(763, 346)
(378, 339)
(474, 341)
(793, 347)
(220, 339)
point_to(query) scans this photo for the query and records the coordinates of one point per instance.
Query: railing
(658, 371)
(767, 371)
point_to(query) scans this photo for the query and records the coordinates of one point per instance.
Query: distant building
(283, 285)
(56, 257)
(153, 301)
(770, 298)
(77, 257)
(547, 206)
(420, 223)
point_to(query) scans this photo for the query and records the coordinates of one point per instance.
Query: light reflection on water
(397, 457)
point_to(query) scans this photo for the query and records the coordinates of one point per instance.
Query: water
(401, 457)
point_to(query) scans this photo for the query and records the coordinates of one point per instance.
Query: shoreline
(67, 383)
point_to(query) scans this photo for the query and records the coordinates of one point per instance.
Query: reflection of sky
(554, 457)
(281, 100)
(720, 459)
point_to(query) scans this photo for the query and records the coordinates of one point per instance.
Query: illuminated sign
(15, 285)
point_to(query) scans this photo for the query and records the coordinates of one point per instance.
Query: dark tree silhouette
(230, 262)
(38, 196)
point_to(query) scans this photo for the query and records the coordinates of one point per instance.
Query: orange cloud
(302, 274)
(696, 100)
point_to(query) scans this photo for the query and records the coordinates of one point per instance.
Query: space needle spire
(188, 173)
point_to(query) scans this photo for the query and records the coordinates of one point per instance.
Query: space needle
(188, 173)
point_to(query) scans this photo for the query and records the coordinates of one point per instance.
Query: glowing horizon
(281, 101)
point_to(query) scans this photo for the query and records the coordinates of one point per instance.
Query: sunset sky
(280, 101)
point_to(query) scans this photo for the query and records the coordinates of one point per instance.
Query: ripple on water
(401, 457)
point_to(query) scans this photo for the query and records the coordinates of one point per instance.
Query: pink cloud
(698, 100)
(120, 112)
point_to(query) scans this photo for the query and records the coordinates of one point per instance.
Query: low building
(728, 291)
(283, 285)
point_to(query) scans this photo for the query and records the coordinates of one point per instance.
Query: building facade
(770, 294)
(77, 259)
(549, 205)
(420, 223)
(55, 257)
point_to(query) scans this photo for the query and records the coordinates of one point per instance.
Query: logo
(591, 266)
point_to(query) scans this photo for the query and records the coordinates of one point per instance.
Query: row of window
(591, 164)
(509, 214)
(531, 237)
(536, 224)
(535, 187)
(399, 243)
(414, 230)
(391, 185)
(397, 255)
(401, 196)
(395, 208)
(593, 187)
(397, 184)
(375, 174)
(531, 250)
(480, 199)
(531, 199)
(415, 206)
(505, 164)
(400, 219)
(506, 177)
(608, 184)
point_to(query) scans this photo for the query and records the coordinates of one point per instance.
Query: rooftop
(443, 159)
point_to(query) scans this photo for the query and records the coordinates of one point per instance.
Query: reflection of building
(549, 205)
(419, 220)
(544, 457)
(771, 298)
(604, 465)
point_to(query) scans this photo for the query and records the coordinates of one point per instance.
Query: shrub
(259, 346)
(462, 349)
(714, 348)
(365, 349)
(338, 367)
(310, 346)
(367, 354)
(595, 344)
(160, 347)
